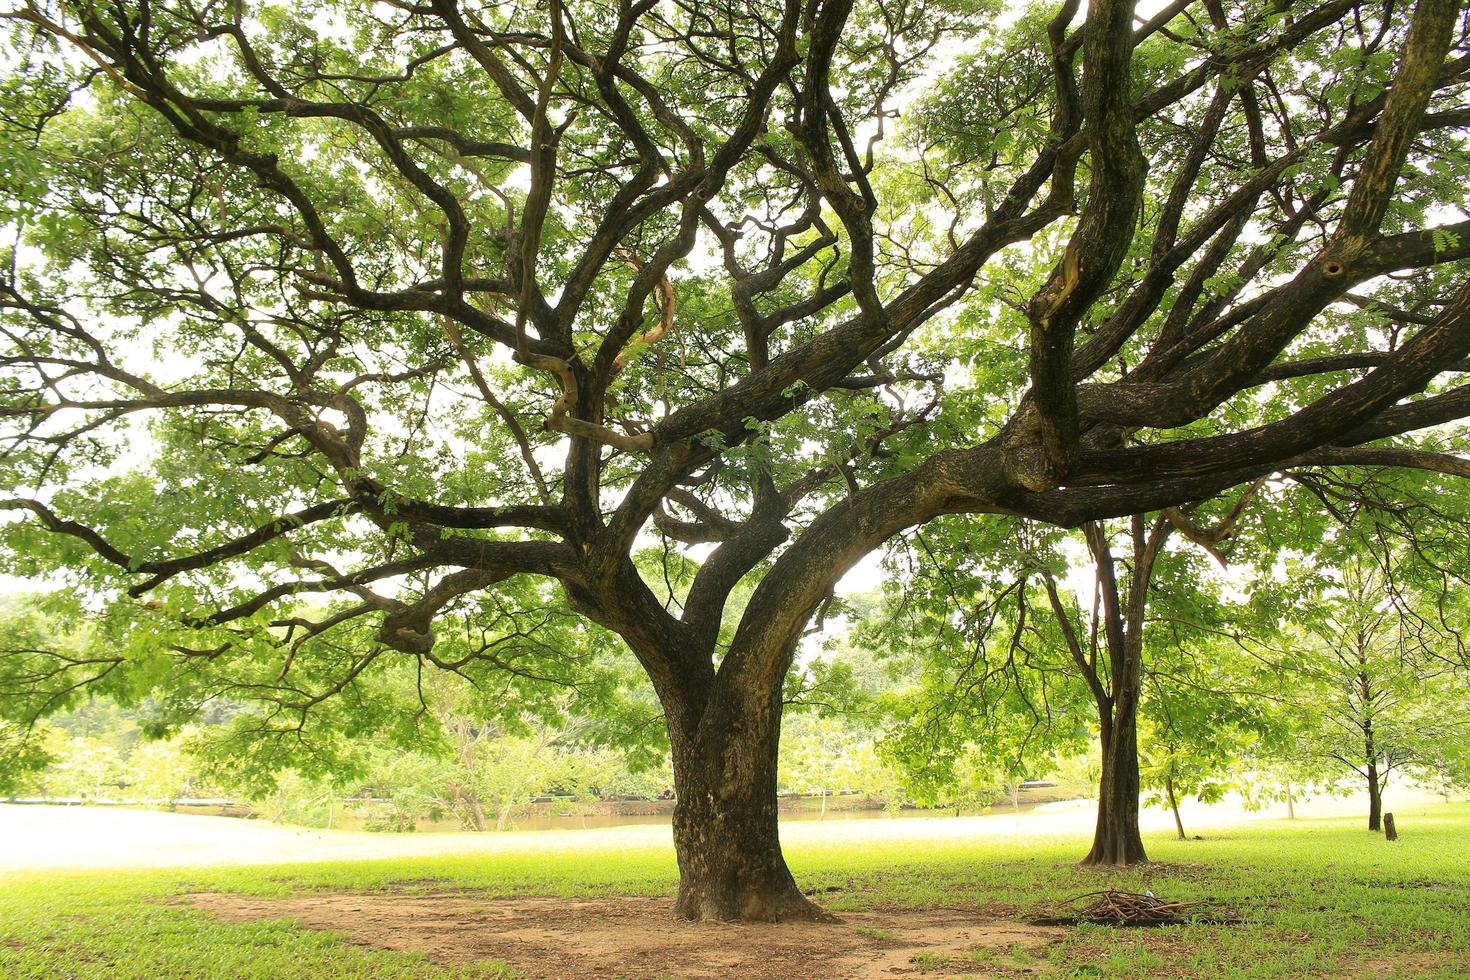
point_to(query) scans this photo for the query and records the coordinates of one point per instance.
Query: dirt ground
(633, 938)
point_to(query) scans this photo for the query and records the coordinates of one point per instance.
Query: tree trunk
(1375, 797)
(1370, 753)
(1117, 840)
(471, 808)
(725, 834)
(1290, 807)
(1174, 805)
(1370, 748)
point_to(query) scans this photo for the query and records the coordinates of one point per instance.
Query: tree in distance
(1016, 657)
(1371, 691)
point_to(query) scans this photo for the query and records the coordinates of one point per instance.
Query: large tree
(340, 335)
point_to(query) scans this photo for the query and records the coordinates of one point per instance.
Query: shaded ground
(634, 938)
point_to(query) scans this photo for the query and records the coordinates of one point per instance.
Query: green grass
(1320, 897)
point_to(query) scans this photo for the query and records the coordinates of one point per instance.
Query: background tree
(1369, 695)
(465, 304)
(819, 756)
(23, 752)
(1197, 747)
(1091, 636)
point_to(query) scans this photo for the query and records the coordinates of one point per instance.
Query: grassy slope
(1319, 898)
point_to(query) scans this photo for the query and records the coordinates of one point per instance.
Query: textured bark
(1375, 797)
(1116, 840)
(725, 829)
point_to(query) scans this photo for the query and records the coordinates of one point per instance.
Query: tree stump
(1389, 832)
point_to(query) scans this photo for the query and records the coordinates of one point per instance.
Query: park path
(34, 837)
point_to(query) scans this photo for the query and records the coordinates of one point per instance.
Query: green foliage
(84, 769)
(23, 752)
(825, 756)
(92, 754)
(158, 771)
(295, 799)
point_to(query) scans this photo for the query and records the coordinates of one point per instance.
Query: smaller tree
(827, 754)
(85, 768)
(156, 772)
(1206, 711)
(1371, 693)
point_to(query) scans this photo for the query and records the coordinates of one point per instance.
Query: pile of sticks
(1128, 909)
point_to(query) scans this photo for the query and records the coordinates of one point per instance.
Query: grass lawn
(1317, 898)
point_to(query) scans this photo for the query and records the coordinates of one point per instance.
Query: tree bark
(1370, 755)
(1375, 797)
(470, 804)
(1290, 806)
(725, 826)
(1174, 806)
(1117, 840)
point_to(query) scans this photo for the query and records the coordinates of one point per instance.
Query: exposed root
(757, 907)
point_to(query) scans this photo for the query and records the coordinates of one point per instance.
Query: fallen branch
(1119, 908)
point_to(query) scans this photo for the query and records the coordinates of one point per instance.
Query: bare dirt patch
(636, 938)
(1425, 964)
